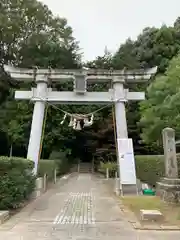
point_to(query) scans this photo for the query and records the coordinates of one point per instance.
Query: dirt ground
(136, 203)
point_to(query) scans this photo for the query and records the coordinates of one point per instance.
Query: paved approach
(80, 208)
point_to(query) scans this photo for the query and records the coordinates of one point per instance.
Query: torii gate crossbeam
(67, 97)
(118, 96)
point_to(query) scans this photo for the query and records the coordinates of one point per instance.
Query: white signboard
(126, 161)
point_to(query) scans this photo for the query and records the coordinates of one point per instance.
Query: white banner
(126, 161)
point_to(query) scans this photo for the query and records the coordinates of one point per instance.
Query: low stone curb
(131, 218)
(138, 226)
(4, 216)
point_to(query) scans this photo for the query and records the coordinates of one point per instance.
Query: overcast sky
(100, 23)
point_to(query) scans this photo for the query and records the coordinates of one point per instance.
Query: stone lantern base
(169, 190)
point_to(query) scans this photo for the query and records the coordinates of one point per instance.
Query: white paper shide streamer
(78, 121)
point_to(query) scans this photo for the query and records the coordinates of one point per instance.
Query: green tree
(126, 56)
(101, 62)
(156, 47)
(32, 36)
(153, 47)
(161, 109)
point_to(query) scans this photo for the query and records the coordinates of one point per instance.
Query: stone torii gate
(118, 95)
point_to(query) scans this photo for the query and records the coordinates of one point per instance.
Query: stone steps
(85, 168)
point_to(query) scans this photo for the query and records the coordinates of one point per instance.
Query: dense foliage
(16, 182)
(30, 35)
(149, 168)
(162, 108)
(47, 167)
(33, 37)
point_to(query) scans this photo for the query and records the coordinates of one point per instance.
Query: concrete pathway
(78, 208)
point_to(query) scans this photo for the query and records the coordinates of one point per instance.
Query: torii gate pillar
(125, 152)
(120, 111)
(37, 121)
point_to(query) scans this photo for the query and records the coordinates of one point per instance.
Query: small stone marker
(171, 168)
(168, 188)
(39, 187)
(151, 215)
(4, 215)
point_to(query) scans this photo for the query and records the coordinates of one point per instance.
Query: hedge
(149, 168)
(63, 164)
(16, 181)
(112, 166)
(47, 167)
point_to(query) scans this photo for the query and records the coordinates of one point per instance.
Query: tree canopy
(162, 107)
(30, 35)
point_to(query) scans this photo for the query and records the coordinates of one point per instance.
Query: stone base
(129, 189)
(117, 188)
(39, 183)
(151, 215)
(39, 188)
(169, 190)
(117, 191)
(124, 189)
(4, 215)
(37, 193)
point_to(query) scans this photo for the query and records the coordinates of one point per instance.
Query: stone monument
(169, 187)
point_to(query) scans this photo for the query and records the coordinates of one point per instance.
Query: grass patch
(136, 203)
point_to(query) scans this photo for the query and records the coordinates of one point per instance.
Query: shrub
(149, 169)
(56, 155)
(63, 164)
(47, 167)
(112, 166)
(16, 181)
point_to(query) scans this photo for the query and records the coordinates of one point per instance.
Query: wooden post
(117, 184)
(55, 176)
(45, 182)
(92, 166)
(107, 173)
